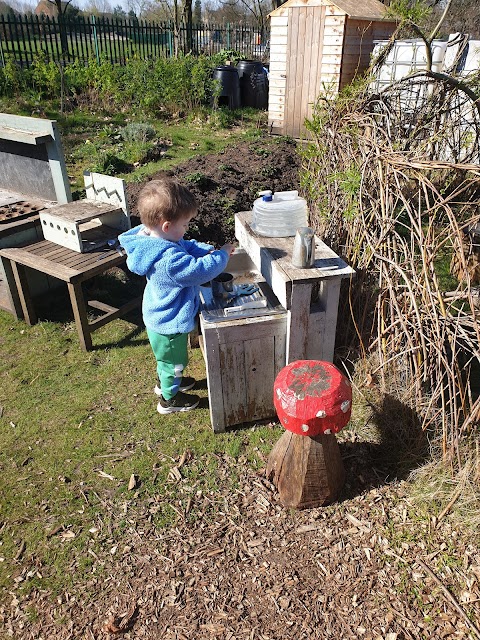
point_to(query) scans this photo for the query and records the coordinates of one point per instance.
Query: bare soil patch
(227, 182)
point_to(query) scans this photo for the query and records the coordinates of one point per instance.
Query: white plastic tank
(280, 214)
(406, 56)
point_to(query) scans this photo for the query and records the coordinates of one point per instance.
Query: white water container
(279, 215)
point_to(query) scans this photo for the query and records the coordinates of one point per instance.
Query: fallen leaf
(132, 483)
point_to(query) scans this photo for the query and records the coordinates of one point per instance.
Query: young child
(175, 268)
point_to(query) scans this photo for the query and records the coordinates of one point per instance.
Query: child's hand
(229, 248)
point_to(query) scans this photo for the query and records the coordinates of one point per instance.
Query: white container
(279, 215)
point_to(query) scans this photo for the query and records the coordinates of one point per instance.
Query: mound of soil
(228, 182)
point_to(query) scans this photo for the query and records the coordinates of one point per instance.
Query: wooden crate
(243, 358)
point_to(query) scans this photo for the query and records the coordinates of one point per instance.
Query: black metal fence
(22, 38)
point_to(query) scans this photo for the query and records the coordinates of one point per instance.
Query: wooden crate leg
(23, 289)
(80, 315)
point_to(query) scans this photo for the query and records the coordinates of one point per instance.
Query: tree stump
(313, 402)
(307, 471)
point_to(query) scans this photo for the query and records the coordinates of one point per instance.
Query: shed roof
(356, 9)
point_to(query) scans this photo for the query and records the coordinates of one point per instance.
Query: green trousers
(171, 355)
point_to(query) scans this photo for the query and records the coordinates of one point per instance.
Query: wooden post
(307, 471)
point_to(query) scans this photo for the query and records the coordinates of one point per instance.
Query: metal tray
(213, 309)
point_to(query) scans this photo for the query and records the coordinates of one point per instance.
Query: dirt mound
(227, 182)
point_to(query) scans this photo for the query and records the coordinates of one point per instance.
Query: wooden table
(73, 268)
(310, 296)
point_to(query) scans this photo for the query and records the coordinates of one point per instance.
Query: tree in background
(197, 12)
(119, 13)
(6, 10)
(463, 16)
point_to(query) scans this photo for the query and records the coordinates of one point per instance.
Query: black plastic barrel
(230, 86)
(253, 84)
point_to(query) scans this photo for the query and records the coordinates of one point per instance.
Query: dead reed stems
(394, 186)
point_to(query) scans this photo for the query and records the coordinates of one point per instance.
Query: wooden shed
(316, 45)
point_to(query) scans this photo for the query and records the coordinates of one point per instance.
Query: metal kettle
(303, 256)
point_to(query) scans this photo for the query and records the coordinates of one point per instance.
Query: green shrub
(45, 77)
(11, 78)
(138, 132)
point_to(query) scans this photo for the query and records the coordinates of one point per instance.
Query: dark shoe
(186, 384)
(180, 402)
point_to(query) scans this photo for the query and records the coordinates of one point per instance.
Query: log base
(307, 471)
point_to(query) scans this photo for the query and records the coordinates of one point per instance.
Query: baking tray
(213, 309)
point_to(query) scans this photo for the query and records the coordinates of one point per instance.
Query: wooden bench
(73, 268)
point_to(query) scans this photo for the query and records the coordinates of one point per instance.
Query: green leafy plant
(198, 178)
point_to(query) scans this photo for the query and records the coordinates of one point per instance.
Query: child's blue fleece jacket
(174, 272)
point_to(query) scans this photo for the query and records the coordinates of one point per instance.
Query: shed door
(304, 61)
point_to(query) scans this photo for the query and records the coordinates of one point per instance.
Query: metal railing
(23, 38)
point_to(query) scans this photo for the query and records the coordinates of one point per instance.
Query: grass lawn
(76, 426)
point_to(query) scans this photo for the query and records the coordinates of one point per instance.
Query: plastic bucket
(253, 84)
(230, 86)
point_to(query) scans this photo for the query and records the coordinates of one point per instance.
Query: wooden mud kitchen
(294, 317)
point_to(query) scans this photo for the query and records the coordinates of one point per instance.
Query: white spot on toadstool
(345, 406)
(305, 428)
(321, 414)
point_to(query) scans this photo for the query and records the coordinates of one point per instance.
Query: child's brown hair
(165, 199)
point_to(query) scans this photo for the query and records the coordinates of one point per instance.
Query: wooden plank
(330, 57)
(278, 21)
(278, 31)
(234, 383)
(260, 376)
(79, 211)
(80, 314)
(330, 69)
(320, 43)
(10, 300)
(277, 84)
(111, 313)
(278, 59)
(291, 72)
(245, 328)
(276, 103)
(329, 296)
(22, 256)
(317, 347)
(334, 21)
(214, 377)
(299, 80)
(280, 353)
(334, 31)
(333, 10)
(274, 256)
(332, 49)
(297, 322)
(23, 290)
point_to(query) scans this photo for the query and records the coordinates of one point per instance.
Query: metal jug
(303, 255)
